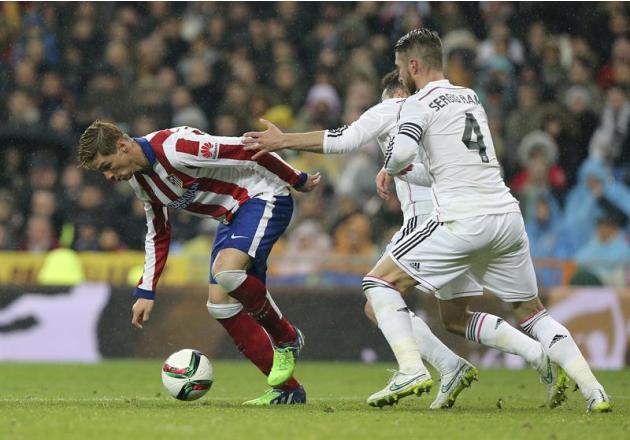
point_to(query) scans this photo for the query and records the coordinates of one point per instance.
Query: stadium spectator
(109, 240)
(595, 192)
(524, 119)
(10, 222)
(578, 102)
(607, 254)
(611, 140)
(540, 173)
(500, 42)
(547, 236)
(353, 238)
(306, 250)
(185, 111)
(40, 235)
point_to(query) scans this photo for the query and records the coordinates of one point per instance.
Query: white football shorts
(488, 250)
(459, 287)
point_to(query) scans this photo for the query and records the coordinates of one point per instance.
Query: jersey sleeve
(156, 245)
(403, 148)
(194, 148)
(370, 124)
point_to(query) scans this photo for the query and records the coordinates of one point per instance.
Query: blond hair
(98, 138)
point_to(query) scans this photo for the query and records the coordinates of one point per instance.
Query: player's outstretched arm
(274, 139)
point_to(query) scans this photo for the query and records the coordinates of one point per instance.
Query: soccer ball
(187, 374)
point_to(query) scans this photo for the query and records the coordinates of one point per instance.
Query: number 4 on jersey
(473, 125)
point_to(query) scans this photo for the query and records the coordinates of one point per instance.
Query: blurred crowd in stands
(554, 79)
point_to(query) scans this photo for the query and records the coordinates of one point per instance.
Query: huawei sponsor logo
(210, 151)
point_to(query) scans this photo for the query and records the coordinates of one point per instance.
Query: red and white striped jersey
(209, 176)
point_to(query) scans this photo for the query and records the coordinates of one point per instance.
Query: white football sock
(561, 349)
(431, 348)
(394, 321)
(494, 332)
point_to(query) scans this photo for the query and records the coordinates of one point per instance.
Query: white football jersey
(379, 122)
(448, 126)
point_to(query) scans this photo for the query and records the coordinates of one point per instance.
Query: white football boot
(402, 385)
(453, 383)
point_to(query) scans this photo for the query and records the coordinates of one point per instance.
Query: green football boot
(557, 390)
(284, 360)
(276, 396)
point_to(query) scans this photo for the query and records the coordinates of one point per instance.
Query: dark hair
(424, 43)
(391, 82)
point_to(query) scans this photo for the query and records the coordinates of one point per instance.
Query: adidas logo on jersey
(556, 339)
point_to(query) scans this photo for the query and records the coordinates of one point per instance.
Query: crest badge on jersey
(175, 180)
(210, 150)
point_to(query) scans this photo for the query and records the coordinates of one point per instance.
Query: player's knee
(223, 311)
(230, 279)
(231, 259)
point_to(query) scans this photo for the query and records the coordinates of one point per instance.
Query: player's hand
(264, 141)
(311, 182)
(141, 311)
(383, 181)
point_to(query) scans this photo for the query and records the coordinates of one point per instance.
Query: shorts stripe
(409, 227)
(262, 226)
(419, 237)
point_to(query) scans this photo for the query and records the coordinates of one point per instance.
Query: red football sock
(253, 295)
(251, 340)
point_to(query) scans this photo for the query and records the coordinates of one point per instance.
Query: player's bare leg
(383, 287)
(455, 372)
(229, 269)
(559, 345)
(493, 331)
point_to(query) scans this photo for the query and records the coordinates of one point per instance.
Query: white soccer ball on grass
(187, 374)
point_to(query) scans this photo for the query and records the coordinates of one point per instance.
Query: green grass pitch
(124, 400)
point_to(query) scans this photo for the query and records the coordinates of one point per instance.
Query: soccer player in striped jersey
(476, 228)
(211, 176)
(413, 189)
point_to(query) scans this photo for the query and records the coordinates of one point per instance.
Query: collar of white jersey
(433, 84)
